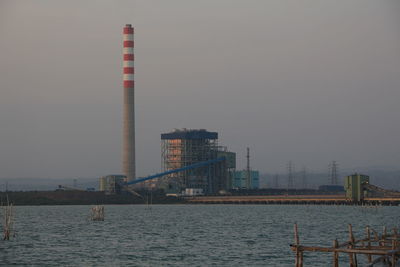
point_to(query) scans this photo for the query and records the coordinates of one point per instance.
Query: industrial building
(354, 186)
(192, 160)
(358, 189)
(245, 179)
(111, 184)
(186, 147)
(230, 161)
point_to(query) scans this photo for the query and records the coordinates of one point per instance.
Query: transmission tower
(290, 169)
(248, 171)
(304, 177)
(276, 181)
(333, 171)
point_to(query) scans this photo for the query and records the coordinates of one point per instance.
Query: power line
(276, 181)
(304, 177)
(248, 172)
(290, 169)
(333, 171)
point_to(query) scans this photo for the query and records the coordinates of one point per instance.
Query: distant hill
(46, 184)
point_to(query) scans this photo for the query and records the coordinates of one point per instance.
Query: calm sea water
(182, 235)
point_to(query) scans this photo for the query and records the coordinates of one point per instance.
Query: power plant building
(230, 161)
(192, 160)
(354, 186)
(185, 147)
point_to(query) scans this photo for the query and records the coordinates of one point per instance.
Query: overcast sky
(307, 81)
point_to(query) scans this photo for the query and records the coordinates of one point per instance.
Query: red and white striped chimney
(129, 166)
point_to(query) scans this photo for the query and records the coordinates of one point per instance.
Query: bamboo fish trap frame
(383, 249)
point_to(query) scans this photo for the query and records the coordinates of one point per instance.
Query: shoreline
(60, 198)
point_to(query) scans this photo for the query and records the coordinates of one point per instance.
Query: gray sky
(307, 81)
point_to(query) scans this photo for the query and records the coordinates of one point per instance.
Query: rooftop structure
(190, 134)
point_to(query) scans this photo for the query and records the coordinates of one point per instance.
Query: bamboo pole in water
(8, 220)
(351, 245)
(299, 254)
(368, 234)
(335, 254)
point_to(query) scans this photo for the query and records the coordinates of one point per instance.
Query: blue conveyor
(189, 167)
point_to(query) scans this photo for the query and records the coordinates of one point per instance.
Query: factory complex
(193, 163)
(192, 160)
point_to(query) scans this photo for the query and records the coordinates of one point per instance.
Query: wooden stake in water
(8, 220)
(299, 253)
(351, 245)
(368, 236)
(97, 213)
(335, 254)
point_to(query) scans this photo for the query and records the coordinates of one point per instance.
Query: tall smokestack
(129, 166)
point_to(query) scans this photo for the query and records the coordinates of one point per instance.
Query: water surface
(183, 235)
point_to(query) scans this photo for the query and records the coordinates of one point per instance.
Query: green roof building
(241, 180)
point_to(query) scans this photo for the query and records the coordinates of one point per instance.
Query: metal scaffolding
(186, 147)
